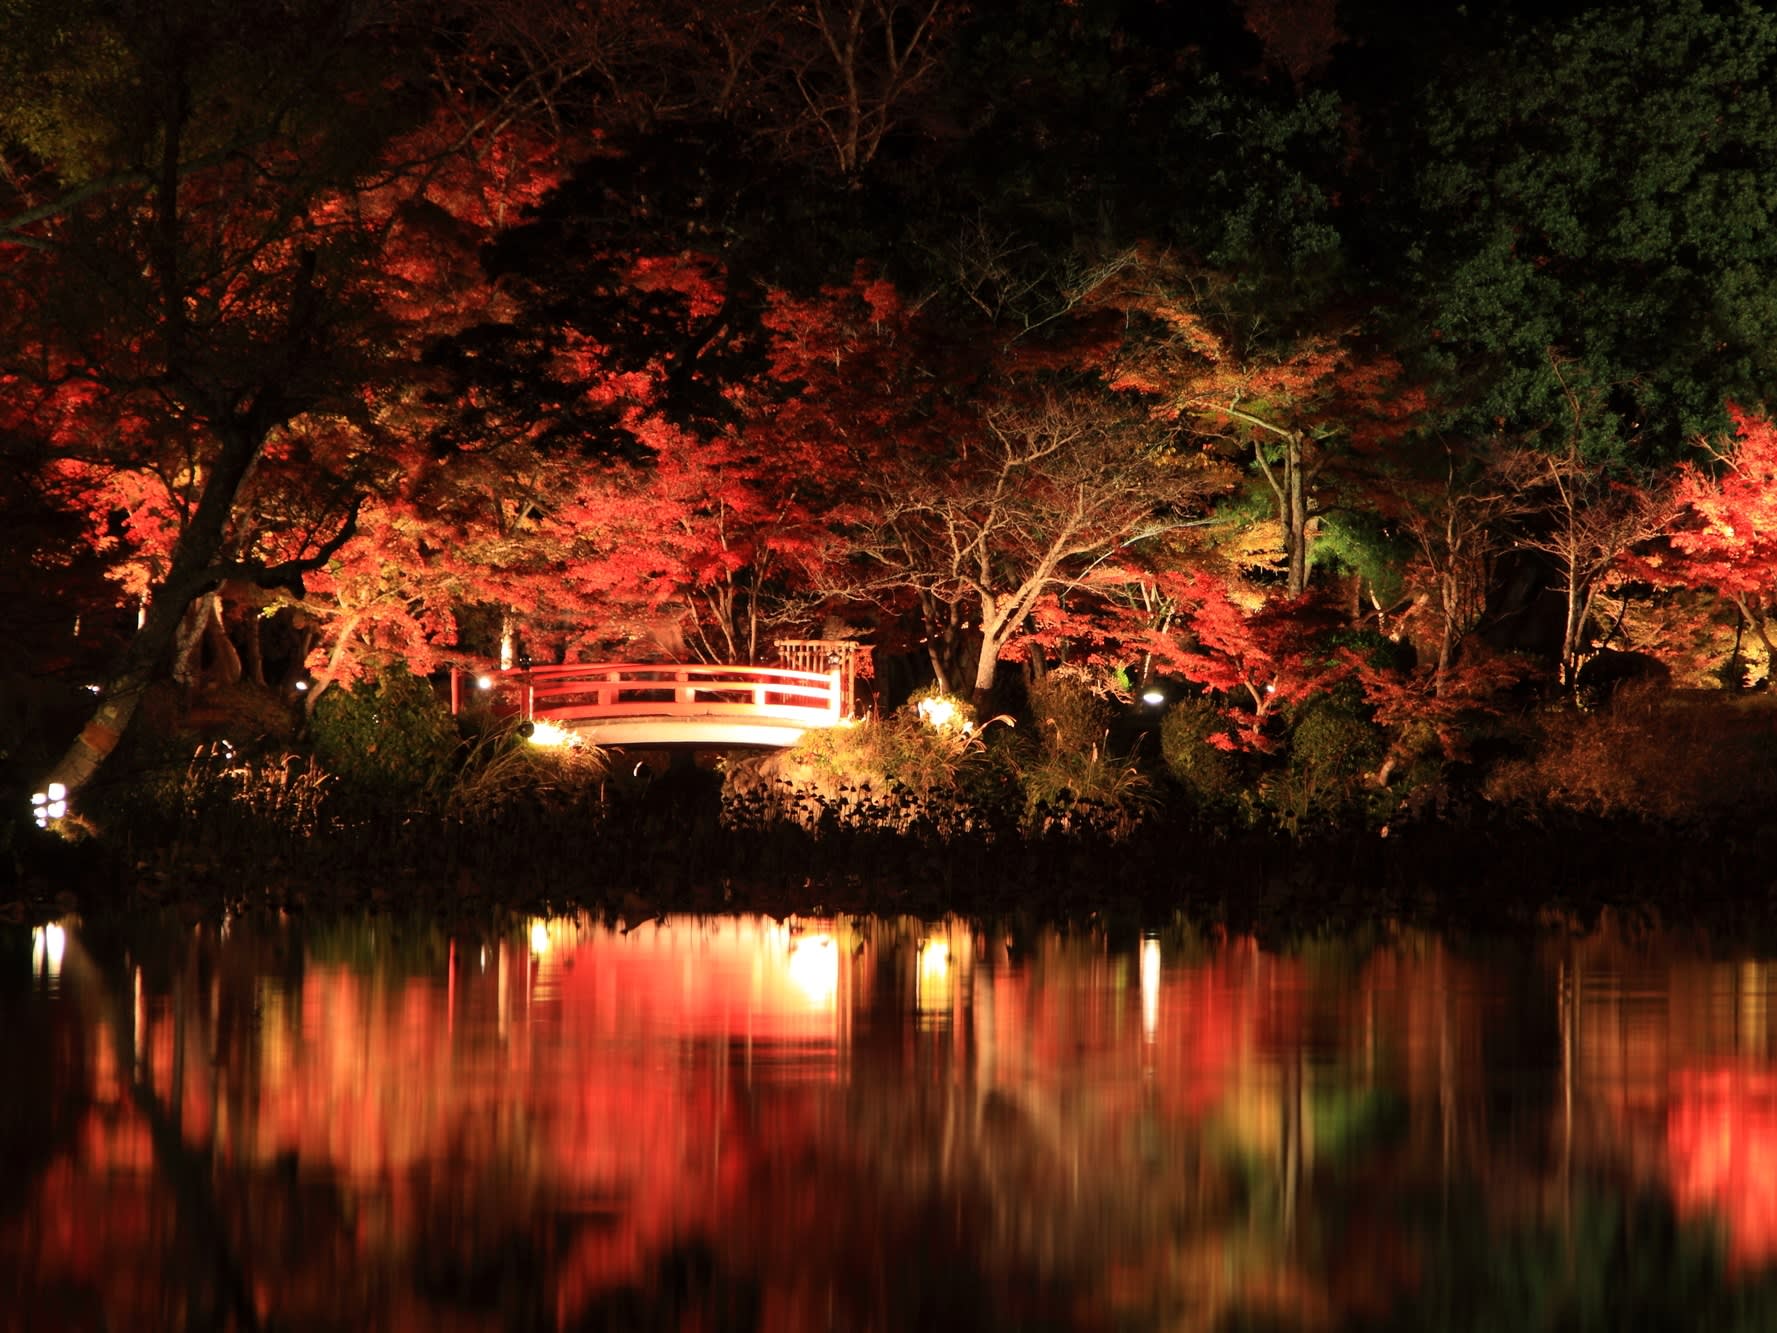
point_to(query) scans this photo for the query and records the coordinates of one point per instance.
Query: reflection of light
(539, 937)
(933, 988)
(139, 1023)
(1150, 988)
(814, 967)
(1722, 1142)
(934, 958)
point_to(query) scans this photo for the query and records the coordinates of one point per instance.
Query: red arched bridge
(651, 703)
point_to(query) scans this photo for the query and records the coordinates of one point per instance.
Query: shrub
(1069, 712)
(1086, 787)
(1073, 769)
(899, 751)
(1333, 746)
(1211, 776)
(391, 737)
(1650, 755)
(502, 768)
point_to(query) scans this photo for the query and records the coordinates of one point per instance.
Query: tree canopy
(1012, 334)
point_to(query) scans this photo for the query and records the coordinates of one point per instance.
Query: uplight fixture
(50, 803)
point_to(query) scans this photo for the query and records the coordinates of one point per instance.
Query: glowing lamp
(50, 803)
(937, 711)
(484, 682)
(549, 734)
(1153, 698)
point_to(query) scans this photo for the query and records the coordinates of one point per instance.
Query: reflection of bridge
(621, 703)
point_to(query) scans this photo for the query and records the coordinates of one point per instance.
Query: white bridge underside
(681, 730)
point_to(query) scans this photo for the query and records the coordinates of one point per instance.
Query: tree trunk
(1579, 608)
(254, 648)
(189, 577)
(986, 666)
(1295, 515)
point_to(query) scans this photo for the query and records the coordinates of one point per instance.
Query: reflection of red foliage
(1721, 1134)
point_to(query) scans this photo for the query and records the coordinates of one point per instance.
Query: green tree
(1594, 196)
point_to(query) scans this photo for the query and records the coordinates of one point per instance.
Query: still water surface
(812, 1124)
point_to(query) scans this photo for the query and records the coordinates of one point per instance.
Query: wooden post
(456, 691)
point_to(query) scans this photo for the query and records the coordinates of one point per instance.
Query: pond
(860, 1123)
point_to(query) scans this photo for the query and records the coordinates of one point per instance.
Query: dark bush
(391, 737)
(1211, 776)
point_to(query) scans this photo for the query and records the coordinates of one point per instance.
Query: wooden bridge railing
(589, 691)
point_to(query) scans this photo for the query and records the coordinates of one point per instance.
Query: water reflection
(842, 1123)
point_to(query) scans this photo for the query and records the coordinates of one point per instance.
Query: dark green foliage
(1333, 747)
(1363, 543)
(390, 737)
(1596, 200)
(1259, 175)
(1609, 1264)
(1211, 776)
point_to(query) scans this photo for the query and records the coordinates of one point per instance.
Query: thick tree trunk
(191, 575)
(986, 667)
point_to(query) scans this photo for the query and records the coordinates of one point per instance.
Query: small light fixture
(549, 735)
(484, 682)
(937, 711)
(50, 803)
(302, 687)
(1153, 698)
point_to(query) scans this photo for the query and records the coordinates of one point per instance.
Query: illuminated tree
(217, 234)
(1298, 406)
(1262, 654)
(1724, 537)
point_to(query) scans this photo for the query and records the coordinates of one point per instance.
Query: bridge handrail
(578, 691)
